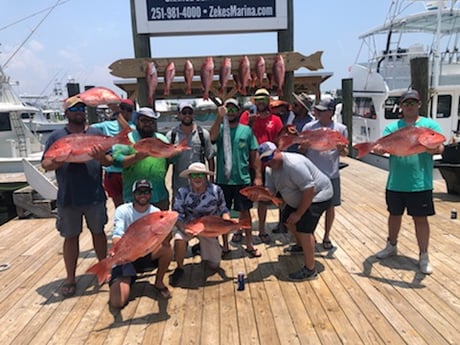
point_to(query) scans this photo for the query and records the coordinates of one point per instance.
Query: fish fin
(122, 136)
(277, 201)
(363, 148)
(101, 270)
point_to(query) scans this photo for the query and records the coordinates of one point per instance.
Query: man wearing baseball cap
(113, 183)
(307, 193)
(137, 165)
(123, 276)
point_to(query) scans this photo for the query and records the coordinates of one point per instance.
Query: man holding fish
(138, 163)
(242, 148)
(410, 180)
(200, 198)
(307, 193)
(327, 161)
(124, 275)
(80, 190)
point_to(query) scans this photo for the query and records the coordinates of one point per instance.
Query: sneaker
(294, 249)
(424, 263)
(303, 274)
(388, 251)
(237, 237)
(176, 276)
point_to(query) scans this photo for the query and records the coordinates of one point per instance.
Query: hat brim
(298, 99)
(187, 172)
(266, 154)
(322, 108)
(407, 98)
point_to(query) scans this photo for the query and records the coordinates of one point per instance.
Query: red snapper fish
(206, 75)
(211, 226)
(158, 148)
(406, 141)
(152, 81)
(77, 148)
(320, 139)
(260, 70)
(188, 76)
(260, 193)
(244, 74)
(224, 73)
(142, 237)
(98, 96)
(278, 71)
(170, 72)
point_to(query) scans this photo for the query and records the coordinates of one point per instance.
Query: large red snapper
(207, 75)
(260, 70)
(224, 73)
(211, 226)
(170, 72)
(142, 237)
(406, 141)
(244, 74)
(98, 96)
(320, 139)
(278, 73)
(78, 147)
(158, 148)
(188, 76)
(152, 81)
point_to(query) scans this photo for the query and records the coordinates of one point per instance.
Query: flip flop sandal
(164, 292)
(327, 244)
(68, 289)
(254, 253)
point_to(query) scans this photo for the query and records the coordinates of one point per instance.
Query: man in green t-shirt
(410, 183)
(235, 155)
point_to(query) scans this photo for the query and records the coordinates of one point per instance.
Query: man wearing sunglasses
(80, 193)
(138, 165)
(307, 193)
(123, 276)
(244, 155)
(113, 183)
(410, 183)
(197, 138)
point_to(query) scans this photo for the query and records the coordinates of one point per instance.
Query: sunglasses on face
(146, 120)
(267, 159)
(187, 112)
(410, 103)
(75, 109)
(143, 192)
(232, 110)
(197, 175)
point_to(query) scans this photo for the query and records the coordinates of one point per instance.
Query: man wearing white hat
(200, 198)
(138, 165)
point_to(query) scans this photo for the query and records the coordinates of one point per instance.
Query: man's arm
(215, 128)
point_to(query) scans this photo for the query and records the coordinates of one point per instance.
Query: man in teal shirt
(410, 183)
(139, 165)
(243, 156)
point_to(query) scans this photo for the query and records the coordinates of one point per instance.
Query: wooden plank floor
(356, 300)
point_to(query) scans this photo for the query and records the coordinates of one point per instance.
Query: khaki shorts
(70, 219)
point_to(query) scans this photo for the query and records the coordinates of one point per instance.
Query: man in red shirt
(266, 127)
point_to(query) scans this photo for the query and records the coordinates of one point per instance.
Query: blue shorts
(70, 219)
(309, 220)
(131, 269)
(234, 198)
(418, 204)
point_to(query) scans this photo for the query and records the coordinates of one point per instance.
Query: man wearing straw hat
(200, 198)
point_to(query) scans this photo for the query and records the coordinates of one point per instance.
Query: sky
(79, 39)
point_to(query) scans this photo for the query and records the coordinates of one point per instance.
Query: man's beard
(146, 133)
(187, 123)
(77, 120)
(233, 120)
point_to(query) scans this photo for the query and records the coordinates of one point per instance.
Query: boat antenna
(58, 2)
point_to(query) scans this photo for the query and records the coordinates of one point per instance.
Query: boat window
(5, 123)
(25, 116)
(444, 106)
(392, 110)
(364, 107)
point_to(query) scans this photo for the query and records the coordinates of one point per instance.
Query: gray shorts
(70, 219)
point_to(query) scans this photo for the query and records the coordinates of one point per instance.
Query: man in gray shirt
(307, 193)
(197, 138)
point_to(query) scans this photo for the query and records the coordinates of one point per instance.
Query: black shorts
(309, 220)
(233, 197)
(418, 204)
(131, 269)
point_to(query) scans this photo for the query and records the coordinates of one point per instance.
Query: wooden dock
(356, 299)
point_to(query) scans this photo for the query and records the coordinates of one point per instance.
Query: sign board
(193, 17)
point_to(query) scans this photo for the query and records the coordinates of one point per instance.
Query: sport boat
(17, 141)
(431, 32)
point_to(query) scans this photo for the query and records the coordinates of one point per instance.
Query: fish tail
(183, 145)
(277, 201)
(122, 136)
(363, 148)
(101, 270)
